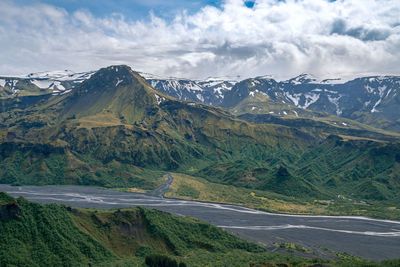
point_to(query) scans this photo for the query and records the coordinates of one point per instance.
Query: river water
(364, 237)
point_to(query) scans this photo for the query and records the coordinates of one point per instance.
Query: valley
(263, 177)
(372, 239)
(115, 130)
(229, 133)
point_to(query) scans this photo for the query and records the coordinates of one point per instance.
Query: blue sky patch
(132, 9)
(249, 4)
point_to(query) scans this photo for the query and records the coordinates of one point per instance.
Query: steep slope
(370, 100)
(44, 235)
(115, 130)
(116, 91)
(117, 116)
(210, 91)
(33, 234)
(373, 100)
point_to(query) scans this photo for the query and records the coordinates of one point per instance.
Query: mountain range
(111, 128)
(372, 100)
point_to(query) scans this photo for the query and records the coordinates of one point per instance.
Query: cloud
(339, 27)
(282, 38)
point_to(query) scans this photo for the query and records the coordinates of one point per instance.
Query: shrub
(156, 260)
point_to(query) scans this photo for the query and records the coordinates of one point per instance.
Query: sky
(202, 38)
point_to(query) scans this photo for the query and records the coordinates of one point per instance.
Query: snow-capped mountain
(210, 91)
(374, 100)
(56, 82)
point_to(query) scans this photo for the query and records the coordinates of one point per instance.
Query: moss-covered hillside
(115, 130)
(33, 234)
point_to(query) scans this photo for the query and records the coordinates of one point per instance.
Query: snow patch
(388, 93)
(310, 99)
(373, 110)
(118, 81)
(2, 82)
(294, 98)
(200, 97)
(369, 89)
(66, 92)
(13, 83)
(57, 85)
(381, 90)
(65, 75)
(193, 87)
(295, 112)
(42, 84)
(328, 91)
(159, 99)
(335, 101)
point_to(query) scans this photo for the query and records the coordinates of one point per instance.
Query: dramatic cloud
(282, 38)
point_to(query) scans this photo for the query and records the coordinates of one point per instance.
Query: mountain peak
(107, 78)
(117, 68)
(303, 78)
(117, 91)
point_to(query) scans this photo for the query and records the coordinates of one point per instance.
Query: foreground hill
(33, 234)
(115, 130)
(51, 235)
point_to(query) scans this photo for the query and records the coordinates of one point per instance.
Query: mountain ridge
(115, 129)
(372, 100)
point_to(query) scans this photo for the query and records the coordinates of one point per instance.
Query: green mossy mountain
(45, 235)
(114, 130)
(33, 234)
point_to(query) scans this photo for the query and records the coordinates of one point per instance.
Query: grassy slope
(196, 188)
(122, 137)
(52, 235)
(44, 235)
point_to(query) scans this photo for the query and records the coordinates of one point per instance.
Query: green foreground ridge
(33, 234)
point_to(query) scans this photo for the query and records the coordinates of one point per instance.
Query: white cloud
(279, 38)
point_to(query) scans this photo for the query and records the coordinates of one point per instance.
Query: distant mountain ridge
(55, 82)
(373, 100)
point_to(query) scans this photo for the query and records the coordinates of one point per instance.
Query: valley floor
(195, 188)
(309, 235)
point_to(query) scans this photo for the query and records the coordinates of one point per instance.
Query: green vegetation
(53, 235)
(45, 235)
(45, 165)
(203, 190)
(293, 247)
(128, 136)
(162, 261)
